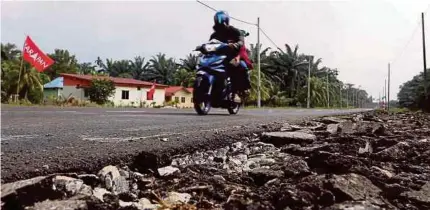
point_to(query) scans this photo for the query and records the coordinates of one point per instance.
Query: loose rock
(177, 198)
(396, 152)
(422, 195)
(100, 192)
(90, 179)
(354, 187)
(70, 186)
(282, 138)
(333, 128)
(112, 180)
(71, 204)
(167, 171)
(263, 175)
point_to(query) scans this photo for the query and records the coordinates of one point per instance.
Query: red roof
(116, 80)
(173, 89)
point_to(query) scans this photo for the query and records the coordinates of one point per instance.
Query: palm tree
(184, 78)
(266, 86)
(86, 68)
(9, 51)
(288, 68)
(29, 81)
(252, 51)
(64, 63)
(121, 68)
(9, 78)
(138, 68)
(104, 67)
(162, 69)
(189, 63)
(318, 93)
(349, 92)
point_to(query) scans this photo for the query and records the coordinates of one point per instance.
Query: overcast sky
(358, 37)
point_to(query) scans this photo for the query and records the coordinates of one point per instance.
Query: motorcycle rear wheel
(234, 109)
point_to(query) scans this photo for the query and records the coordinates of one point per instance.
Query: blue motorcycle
(212, 87)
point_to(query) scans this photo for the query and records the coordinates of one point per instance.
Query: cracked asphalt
(41, 140)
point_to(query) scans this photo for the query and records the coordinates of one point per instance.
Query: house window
(138, 88)
(192, 100)
(86, 93)
(177, 99)
(183, 100)
(124, 94)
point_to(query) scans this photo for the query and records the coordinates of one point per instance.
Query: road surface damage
(361, 161)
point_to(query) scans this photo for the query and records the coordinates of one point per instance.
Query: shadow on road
(182, 114)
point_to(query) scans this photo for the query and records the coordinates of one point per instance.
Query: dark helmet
(221, 18)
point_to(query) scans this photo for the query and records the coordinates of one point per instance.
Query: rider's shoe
(237, 99)
(246, 93)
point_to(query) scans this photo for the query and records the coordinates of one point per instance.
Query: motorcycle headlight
(211, 47)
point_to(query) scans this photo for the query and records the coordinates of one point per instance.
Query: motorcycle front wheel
(201, 102)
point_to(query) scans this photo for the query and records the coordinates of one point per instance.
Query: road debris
(351, 162)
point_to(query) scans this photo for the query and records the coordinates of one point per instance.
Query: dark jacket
(229, 34)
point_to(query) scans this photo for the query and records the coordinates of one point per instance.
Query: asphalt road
(41, 140)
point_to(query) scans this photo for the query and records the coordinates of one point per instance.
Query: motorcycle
(212, 86)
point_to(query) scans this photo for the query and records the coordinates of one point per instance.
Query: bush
(109, 104)
(171, 103)
(35, 95)
(100, 90)
(25, 102)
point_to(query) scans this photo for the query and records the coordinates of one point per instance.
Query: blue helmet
(221, 18)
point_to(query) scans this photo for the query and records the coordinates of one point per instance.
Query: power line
(246, 22)
(412, 36)
(264, 33)
(407, 43)
(237, 19)
(207, 5)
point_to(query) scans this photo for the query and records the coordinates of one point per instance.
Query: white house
(128, 92)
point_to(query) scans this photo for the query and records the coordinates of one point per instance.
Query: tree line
(412, 93)
(284, 74)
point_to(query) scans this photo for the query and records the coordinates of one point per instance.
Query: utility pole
(424, 58)
(340, 96)
(356, 98)
(385, 92)
(328, 94)
(258, 63)
(379, 101)
(309, 82)
(347, 98)
(353, 97)
(388, 104)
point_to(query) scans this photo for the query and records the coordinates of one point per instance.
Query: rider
(236, 39)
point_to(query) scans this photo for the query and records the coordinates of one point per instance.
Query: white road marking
(20, 111)
(131, 138)
(13, 137)
(126, 111)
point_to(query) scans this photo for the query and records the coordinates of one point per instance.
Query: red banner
(35, 56)
(150, 93)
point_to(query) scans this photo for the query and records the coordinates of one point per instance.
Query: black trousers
(240, 78)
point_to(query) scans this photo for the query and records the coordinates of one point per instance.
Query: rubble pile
(361, 161)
